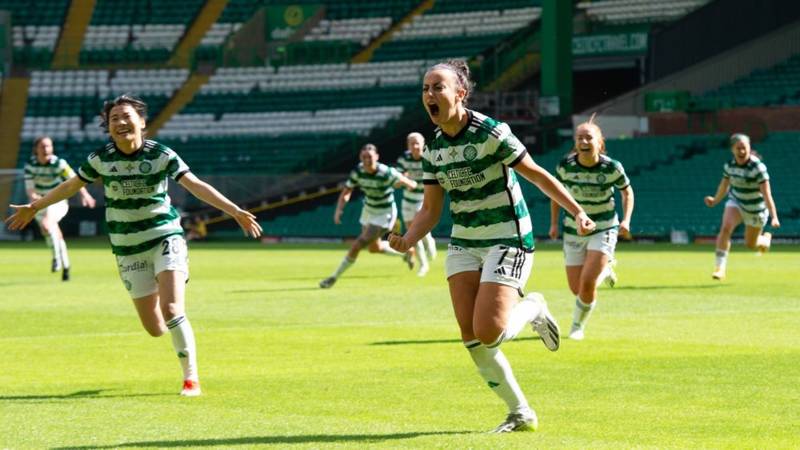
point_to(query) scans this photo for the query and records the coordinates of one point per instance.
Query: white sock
(387, 250)
(722, 258)
(64, 255)
(183, 343)
(56, 249)
(604, 273)
(421, 256)
(496, 371)
(582, 312)
(430, 244)
(522, 314)
(344, 265)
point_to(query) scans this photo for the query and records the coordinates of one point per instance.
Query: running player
(745, 182)
(43, 172)
(490, 255)
(379, 214)
(144, 228)
(410, 163)
(591, 176)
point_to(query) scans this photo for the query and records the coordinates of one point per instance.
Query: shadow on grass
(93, 393)
(672, 287)
(298, 439)
(442, 341)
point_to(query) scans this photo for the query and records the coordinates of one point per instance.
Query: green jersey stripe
(135, 203)
(142, 225)
(142, 246)
(527, 242)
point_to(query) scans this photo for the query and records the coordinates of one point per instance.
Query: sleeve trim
(518, 159)
(430, 182)
(84, 178)
(180, 174)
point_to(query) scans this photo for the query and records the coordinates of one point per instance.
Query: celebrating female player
(410, 163)
(491, 249)
(43, 173)
(144, 228)
(379, 213)
(591, 176)
(745, 181)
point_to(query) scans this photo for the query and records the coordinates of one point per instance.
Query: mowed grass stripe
(671, 359)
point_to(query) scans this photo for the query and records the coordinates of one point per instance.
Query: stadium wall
(714, 72)
(756, 122)
(714, 28)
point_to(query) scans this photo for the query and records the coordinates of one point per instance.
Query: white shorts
(510, 266)
(410, 211)
(138, 272)
(384, 220)
(575, 247)
(55, 212)
(757, 220)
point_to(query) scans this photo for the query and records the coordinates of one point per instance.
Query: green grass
(671, 360)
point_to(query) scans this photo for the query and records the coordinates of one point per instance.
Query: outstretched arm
(722, 189)
(213, 197)
(627, 211)
(766, 191)
(404, 181)
(25, 213)
(424, 221)
(554, 213)
(556, 191)
(344, 197)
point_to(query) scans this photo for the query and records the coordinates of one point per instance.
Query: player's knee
(751, 244)
(172, 310)
(487, 334)
(155, 330)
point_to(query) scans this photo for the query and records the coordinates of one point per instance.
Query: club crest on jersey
(601, 178)
(145, 167)
(470, 152)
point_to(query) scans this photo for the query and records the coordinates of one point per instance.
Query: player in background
(43, 172)
(410, 163)
(490, 255)
(745, 182)
(591, 176)
(144, 228)
(379, 213)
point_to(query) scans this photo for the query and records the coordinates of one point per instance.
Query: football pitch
(672, 359)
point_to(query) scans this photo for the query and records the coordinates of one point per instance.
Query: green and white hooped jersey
(474, 167)
(378, 187)
(593, 188)
(43, 178)
(413, 168)
(746, 184)
(139, 213)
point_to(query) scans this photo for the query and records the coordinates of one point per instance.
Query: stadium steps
(208, 15)
(68, 49)
(366, 54)
(13, 102)
(514, 75)
(179, 99)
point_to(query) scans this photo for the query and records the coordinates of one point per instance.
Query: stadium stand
(623, 12)
(777, 85)
(136, 31)
(36, 26)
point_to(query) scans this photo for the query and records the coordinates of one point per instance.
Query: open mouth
(433, 108)
(587, 148)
